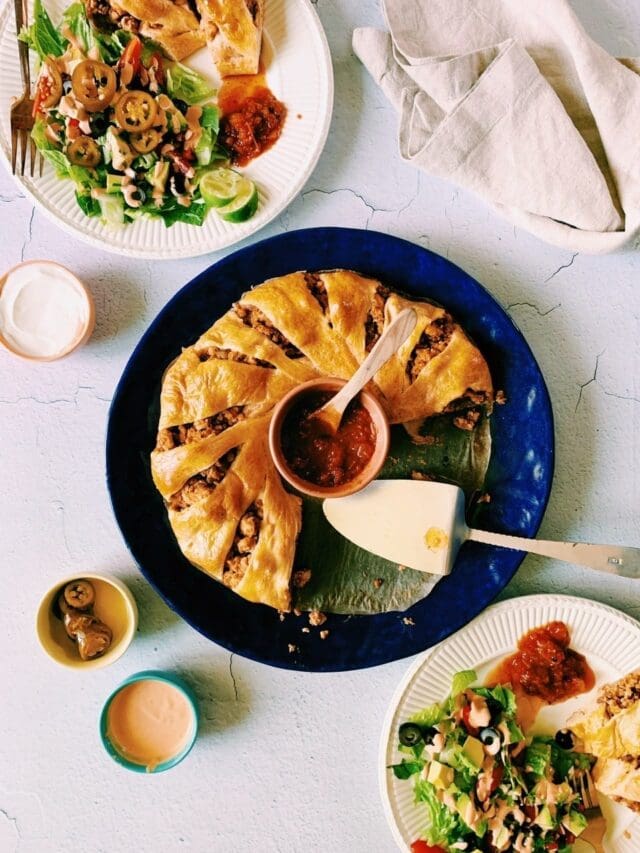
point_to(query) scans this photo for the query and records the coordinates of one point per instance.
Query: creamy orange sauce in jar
(150, 722)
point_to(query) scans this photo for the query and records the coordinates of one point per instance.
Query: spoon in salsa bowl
(332, 412)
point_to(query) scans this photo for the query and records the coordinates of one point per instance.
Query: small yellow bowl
(114, 605)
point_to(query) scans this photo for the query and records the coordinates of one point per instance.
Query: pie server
(422, 525)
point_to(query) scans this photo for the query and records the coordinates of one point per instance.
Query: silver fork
(596, 828)
(22, 108)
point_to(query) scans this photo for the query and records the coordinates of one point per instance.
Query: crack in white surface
(534, 307)
(145, 295)
(233, 678)
(563, 267)
(29, 234)
(622, 397)
(13, 820)
(59, 505)
(372, 208)
(589, 381)
(70, 400)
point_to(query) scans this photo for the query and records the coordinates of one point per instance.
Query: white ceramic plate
(609, 640)
(299, 72)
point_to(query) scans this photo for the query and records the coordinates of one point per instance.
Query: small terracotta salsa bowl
(361, 479)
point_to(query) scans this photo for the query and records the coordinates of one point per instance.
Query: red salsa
(319, 457)
(545, 667)
(252, 117)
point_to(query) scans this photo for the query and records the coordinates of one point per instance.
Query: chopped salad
(484, 785)
(134, 131)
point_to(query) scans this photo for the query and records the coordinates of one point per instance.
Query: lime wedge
(220, 186)
(244, 204)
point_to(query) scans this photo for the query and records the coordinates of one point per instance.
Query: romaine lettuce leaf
(406, 769)
(500, 694)
(210, 118)
(444, 826)
(428, 716)
(187, 85)
(58, 160)
(89, 205)
(462, 680)
(172, 212)
(42, 36)
(75, 18)
(204, 148)
(537, 758)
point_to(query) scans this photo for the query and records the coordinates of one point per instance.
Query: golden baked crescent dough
(233, 29)
(227, 506)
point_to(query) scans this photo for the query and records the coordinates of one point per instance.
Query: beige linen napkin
(514, 101)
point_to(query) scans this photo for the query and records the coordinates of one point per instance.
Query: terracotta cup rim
(86, 331)
(371, 470)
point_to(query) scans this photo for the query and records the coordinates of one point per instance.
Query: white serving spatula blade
(422, 525)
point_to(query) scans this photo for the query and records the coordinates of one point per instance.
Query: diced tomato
(181, 162)
(421, 846)
(466, 711)
(131, 55)
(158, 68)
(43, 90)
(496, 777)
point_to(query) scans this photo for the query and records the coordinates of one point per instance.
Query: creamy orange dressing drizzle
(149, 722)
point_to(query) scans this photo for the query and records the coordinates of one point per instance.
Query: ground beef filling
(253, 317)
(104, 15)
(317, 289)
(374, 324)
(467, 409)
(433, 341)
(252, 7)
(621, 694)
(171, 437)
(231, 355)
(200, 486)
(244, 543)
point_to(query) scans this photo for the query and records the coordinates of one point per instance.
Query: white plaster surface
(285, 762)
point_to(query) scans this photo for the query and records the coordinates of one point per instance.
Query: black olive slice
(565, 739)
(491, 740)
(410, 734)
(429, 734)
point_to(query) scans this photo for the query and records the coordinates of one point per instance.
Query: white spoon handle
(392, 339)
(604, 558)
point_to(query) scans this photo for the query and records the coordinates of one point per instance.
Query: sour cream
(44, 310)
(150, 722)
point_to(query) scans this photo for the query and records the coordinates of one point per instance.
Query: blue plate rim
(237, 256)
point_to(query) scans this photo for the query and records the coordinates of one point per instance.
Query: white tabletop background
(285, 761)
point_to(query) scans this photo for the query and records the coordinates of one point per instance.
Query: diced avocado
(465, 808)
(157, 176)
(440, 775)
(545, 819)
(112, 209)
(474, 750)
(114, 183)
(575, 822)
(564, 792)
(501, 838)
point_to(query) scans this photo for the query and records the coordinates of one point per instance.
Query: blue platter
(519, 477)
